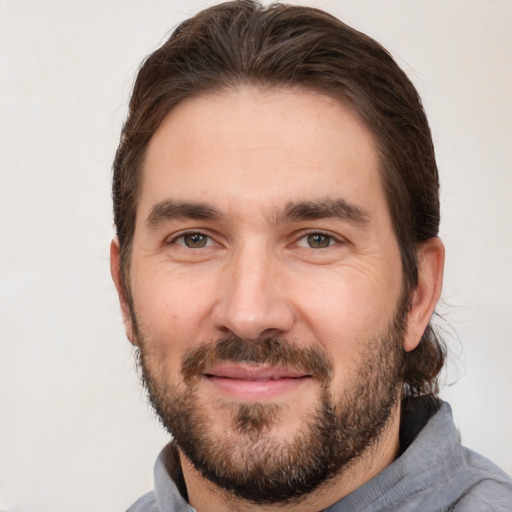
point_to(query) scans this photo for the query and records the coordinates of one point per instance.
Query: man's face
(266, 283)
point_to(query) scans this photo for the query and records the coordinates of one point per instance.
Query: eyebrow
(292, 211)
(169, 209)
(323, 209)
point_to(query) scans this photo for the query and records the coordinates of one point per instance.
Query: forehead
(264, 145)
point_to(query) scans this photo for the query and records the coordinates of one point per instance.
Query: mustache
(269, 350)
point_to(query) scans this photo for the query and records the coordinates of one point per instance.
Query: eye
(317, 241)
(193, 240)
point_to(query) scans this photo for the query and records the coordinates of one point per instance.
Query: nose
(252, 300)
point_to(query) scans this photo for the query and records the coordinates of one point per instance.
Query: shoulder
(146, 503)
(489, 488)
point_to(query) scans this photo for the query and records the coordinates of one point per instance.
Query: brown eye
(195, 240)
(319, 241)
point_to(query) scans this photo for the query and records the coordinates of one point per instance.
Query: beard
(248, 460)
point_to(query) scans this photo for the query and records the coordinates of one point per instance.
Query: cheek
(170, 310)
(345, 311)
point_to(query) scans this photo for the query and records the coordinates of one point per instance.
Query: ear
(427, 293)
(115, 271)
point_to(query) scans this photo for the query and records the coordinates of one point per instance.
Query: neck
(204, 496)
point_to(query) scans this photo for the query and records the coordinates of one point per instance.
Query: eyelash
(332, 240)
(182, 236)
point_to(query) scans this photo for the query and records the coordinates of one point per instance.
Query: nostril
(271, 333)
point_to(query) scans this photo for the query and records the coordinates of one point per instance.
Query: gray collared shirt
(435, 473)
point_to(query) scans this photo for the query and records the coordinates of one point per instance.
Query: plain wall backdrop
(75, 431)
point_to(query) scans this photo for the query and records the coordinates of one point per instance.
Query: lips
(254, 381)
(253, 373)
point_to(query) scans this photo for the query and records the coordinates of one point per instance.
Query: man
(277, 263)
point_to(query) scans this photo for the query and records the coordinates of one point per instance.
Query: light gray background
(75, 432)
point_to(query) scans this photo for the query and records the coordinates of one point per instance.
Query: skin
(257, 273)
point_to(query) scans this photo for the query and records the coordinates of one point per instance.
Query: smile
(256, 382)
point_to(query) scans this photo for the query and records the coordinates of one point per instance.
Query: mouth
(255, 382)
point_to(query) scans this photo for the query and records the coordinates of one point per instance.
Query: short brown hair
(243, 43)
